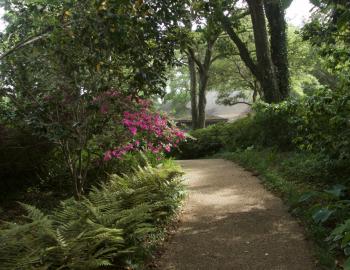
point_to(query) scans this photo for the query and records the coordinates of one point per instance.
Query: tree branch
(242, 48)
(24, 43)
(193, 56)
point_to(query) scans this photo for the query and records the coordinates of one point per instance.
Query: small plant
(340, 238)
(328, 205)
(112, 225)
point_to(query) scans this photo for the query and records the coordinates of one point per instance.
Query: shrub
(113, 224)
(323, 125)
(269, 126)
(273, 124)
(204, 142)
(239, 135)
(22, 159)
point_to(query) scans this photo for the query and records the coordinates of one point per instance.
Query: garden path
(231, 222)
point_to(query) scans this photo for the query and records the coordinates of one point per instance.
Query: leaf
(346, 240)
(347, 251)
(306, 197)
(346, 265)
(336, 190)
(322, 215)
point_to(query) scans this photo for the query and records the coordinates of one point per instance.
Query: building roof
(225, 111)
(187, 117)
(216, 112)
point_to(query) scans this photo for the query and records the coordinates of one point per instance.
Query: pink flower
(104, 108)
(107, 156)
(133, 130)
(167, 148)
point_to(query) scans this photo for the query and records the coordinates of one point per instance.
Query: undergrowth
(117, 224)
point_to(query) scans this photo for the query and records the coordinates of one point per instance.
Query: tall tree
(270, 66)
(193, 90)
(275, 13)
(203, 66)
(200, 53)
(268, 78)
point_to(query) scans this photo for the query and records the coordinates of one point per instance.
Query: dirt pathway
(231, 222)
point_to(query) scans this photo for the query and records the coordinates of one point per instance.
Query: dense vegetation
(81, 142)
(116, 223)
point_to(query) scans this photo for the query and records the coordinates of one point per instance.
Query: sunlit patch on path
(231, 222)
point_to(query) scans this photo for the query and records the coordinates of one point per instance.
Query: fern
(110, 226)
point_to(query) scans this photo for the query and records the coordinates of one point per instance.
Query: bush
(323, 125)
(269, 126)
(274, 124)
(114, 224)
(22, 159)
(204, 142)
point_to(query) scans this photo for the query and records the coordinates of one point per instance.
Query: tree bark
(203, 81)
(275, 14)
(193, 91)
(203, 72)
(269, 81)
(202, 100)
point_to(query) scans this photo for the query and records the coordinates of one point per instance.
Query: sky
(2, 25)
(296, 14)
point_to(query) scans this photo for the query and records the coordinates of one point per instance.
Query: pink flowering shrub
(143, 129)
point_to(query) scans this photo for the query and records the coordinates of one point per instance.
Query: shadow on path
(231, 222)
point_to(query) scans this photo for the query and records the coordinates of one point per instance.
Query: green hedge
(116, 224)
(268, 126)
(318, 124)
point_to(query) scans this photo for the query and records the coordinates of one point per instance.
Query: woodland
(87, 171)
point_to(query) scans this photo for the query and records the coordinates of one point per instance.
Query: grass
(288, 182)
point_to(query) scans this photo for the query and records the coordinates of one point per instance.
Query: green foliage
(113, 225)
(328, 31)
(269, 126)
(340, 237)
(204, 142)
(24, 160)
(323, 124)
(273, 124)
(59, 57)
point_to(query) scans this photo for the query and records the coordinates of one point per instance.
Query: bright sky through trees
(297, 13)
(2, 24)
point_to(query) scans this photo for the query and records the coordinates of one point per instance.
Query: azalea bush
(144, 130)
(61, 62)
(89, 130)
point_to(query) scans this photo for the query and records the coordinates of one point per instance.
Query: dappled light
(231, 221)
(103, 101)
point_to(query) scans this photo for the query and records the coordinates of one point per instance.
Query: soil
(230, 221)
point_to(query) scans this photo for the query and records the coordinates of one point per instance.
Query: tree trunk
(203, 81)
(275, 14)
(193, 91)
(268, 82)
(202, 100)
(203, 71)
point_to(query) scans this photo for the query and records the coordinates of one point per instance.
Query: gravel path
(231, 222)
